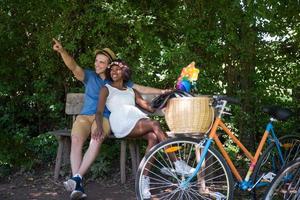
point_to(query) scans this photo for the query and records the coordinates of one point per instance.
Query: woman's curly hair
(126, 72)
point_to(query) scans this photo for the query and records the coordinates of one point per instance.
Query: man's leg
(80, 132)
(94, 147)
(88, 159)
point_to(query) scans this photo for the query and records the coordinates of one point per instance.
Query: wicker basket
(189, 114)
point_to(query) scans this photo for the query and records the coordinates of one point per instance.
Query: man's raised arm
(69, 60)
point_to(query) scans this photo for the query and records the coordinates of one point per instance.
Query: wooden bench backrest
(74, 103)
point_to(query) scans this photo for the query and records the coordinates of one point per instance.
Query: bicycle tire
(214, 180)
(286, 185)
(269, 161)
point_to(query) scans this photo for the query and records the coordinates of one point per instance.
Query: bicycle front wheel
(213, 180)
(271, 163)
(286, 184)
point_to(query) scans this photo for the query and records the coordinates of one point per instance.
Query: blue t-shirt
(93, 84)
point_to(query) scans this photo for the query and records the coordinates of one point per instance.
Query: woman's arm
(99, 114)
(142, 102)
(149, 90)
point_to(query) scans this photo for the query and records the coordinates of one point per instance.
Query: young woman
(126, 120)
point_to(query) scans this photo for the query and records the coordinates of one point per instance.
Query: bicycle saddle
(277, 112)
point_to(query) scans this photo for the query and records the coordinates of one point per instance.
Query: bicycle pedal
(264, 178)
(268, 177)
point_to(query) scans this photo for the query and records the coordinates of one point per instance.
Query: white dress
(124, 114)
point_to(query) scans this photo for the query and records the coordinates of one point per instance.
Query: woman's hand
(97, 134)
(166, 91)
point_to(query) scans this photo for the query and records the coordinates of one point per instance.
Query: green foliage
(105, 162)
(246, 49)
(5, 170)
(44, 148)
(23, 151)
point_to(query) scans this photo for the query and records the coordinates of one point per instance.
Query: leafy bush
(23, 151)
(106, 159)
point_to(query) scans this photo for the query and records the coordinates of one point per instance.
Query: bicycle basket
(190, 114)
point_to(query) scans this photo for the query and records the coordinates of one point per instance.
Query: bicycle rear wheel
(286, 185)
(213, 181)
(270, 162)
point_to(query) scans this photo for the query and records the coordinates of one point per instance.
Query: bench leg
(123, 161)
(138, 158)
(58, 157)
(66, 151)
(133, 157)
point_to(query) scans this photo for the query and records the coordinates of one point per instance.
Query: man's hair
(126, 72)
(108, 53)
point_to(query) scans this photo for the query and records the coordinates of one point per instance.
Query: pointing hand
(57, 46)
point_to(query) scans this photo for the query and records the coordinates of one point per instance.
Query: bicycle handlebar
(231, 100)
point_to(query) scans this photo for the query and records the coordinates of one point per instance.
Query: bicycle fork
(186, 182)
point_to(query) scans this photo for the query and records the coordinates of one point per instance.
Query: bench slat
(61, 132)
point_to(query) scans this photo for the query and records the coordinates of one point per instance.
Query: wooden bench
(74, 103)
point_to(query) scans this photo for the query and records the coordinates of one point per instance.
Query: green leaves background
(247, 49)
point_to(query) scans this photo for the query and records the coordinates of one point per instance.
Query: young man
(85, 122)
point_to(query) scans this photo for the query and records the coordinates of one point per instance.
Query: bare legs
(144, 128)
(77, 142)
(147, 126)
(152, 140)
(151, 131)
(80, 165)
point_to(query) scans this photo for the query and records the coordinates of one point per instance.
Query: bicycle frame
(213, 136)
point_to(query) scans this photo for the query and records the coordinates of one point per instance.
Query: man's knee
(98, 142)
(77, 140)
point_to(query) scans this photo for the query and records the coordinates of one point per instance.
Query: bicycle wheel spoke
(189, 155)
(166, 166)
(197, 194)
(168, 194)
(169, 160)
(297, 146)
(159, 176)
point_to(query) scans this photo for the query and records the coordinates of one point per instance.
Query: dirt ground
(25, 186)
(41, 186)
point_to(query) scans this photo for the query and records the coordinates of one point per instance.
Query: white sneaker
(168, 171)
(70, 185)
(182, 168)
(76, 194)
(146, 187)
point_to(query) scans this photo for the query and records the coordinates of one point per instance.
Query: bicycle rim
(286, 185)
(213, 181)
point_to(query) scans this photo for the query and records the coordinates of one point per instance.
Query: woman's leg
(151, 139)
(144, 126)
